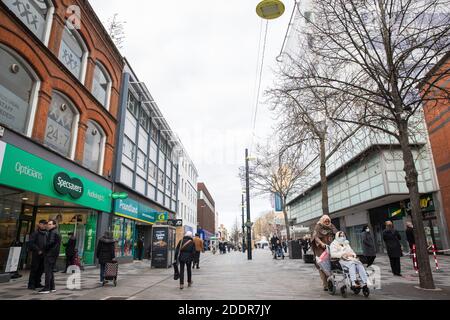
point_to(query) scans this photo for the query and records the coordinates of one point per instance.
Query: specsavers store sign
(137, 211)
(23, 170)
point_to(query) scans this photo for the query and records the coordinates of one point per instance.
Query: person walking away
(37, 244)
(410, 237)
(52, 247)
(322, 237)
(368, 246)
(70, 250)
(279, 250)
(105, 253)
(199, 248)
(140, 247)
(392, 239)
(273, 243)
(185, 252)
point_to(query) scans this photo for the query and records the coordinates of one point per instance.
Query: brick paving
(231, 277)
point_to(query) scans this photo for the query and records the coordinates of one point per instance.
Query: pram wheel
(366, 292)
(357, 291)
(331, 288)
(344, 292)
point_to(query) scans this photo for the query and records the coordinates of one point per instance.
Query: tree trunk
(286, 221)
(323, 178)
(423, 260)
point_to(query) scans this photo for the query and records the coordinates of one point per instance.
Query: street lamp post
(249, 227)
(243, 224)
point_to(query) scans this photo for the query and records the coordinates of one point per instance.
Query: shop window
(73, 53)
(35, 14)
(94, 148)
(118, 235)
(18, 86)
(61, 131)
(101, 87)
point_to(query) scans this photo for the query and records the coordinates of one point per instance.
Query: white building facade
(187, 193)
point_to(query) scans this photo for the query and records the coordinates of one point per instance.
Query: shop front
(32, 189)
(399, 213)
(133, 220)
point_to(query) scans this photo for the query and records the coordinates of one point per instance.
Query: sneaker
(44, 291)
(53, 291)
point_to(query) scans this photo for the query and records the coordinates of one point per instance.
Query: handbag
(176, 270)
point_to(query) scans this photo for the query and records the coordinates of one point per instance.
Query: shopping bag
(176, 271)
(324, 262)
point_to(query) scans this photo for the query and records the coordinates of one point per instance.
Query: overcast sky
(199, 61)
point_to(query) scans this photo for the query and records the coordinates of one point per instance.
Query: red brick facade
(54, 76)
(437, 114)
(206, 215)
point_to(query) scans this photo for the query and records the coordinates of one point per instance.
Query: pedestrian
(70, 250)
(392, 239)
(410, 237)
(140, 247)
(322, 237)
(105, 253)
(306, 244)
(37, 247)
(199, 248)
(285, 246)
(273, 242)
(185, 252)
(278, 250)
(368, 246)
(51, 254)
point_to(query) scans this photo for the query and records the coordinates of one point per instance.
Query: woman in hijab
(322, 237)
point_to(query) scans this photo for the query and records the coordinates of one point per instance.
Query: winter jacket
(38, 240)
(185, 250)
(410, 236)
(337, 250)
(105, 250)
(199, 247)
(368, 245)
(70, 247)
(392, 239)
(52, 246)
(322, 235)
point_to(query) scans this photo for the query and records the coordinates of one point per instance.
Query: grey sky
(199, 61)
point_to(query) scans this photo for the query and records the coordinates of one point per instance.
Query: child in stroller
(344, 264)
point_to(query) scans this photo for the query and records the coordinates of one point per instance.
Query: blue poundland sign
(134, 210)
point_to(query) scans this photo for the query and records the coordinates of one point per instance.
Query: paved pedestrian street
(231, 277)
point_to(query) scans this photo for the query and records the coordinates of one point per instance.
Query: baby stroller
(339, 276)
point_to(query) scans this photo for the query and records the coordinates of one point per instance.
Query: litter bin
(295, 250)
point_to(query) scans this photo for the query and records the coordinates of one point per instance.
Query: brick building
(437, 115)
(60, 78)
(206, 212)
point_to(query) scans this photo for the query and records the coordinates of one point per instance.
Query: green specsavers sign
(23, 170)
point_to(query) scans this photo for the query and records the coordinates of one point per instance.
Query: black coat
(410, 236)
(392, 239)
(187, 250)
(105, 250)
(368, 245)
(38, 240)
(52, 246)
(70, 247)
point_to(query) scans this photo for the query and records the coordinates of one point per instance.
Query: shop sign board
(13, 259)
(134, 210)
(22, 170)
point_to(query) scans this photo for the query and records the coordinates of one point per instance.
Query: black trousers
(49, 266)
(189, 271)
(37, 269)
(139, 253)
(197, 259)
(395, 266)
(69, 261)
(370, 260)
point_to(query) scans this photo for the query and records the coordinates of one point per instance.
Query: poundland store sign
(134, 210)
(25, 171)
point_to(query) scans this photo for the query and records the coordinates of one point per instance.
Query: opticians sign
(22, 170)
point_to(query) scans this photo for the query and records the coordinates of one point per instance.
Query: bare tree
(116, 30)
(306, 114)
(277, 171)
(381, 51)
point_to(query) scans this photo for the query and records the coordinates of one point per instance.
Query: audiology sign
(134, 210)
(22, 170)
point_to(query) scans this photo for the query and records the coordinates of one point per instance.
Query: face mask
(341, 240)
(367, 230)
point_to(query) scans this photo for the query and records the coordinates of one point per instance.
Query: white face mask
(367, 230)
(341, 240)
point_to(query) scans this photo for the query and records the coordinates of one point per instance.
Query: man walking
(410, 236)
(392, 239)
(51, 254)
(37, 247)
(199, 248)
